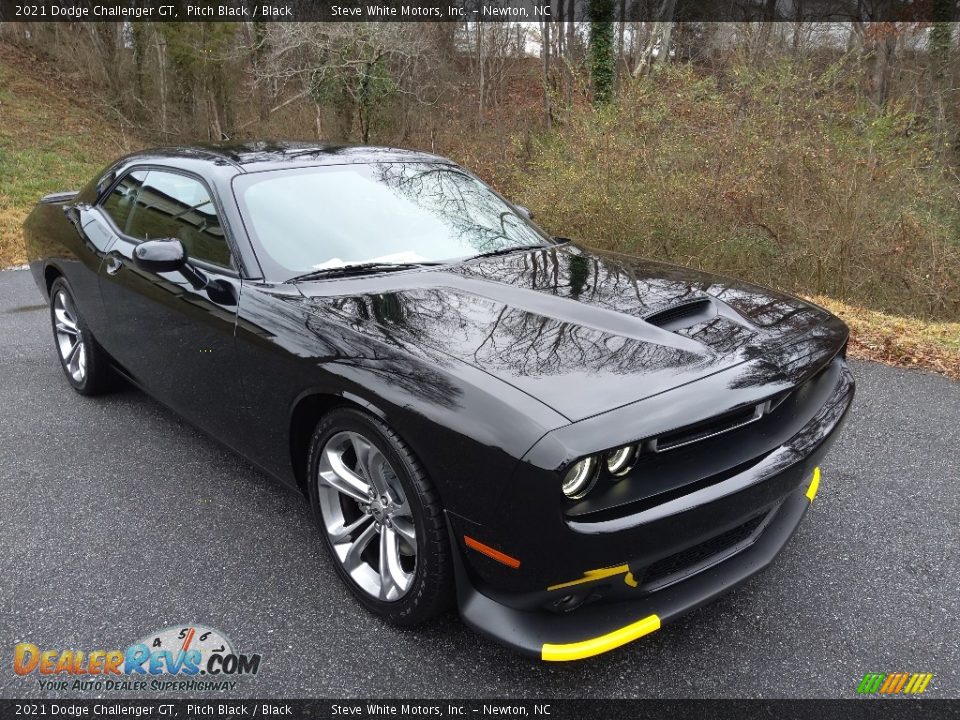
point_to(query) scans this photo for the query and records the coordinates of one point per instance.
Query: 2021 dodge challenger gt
(574, 445)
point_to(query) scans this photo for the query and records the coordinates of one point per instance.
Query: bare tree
(545, 57)
(657, 49)
(495, 54)
(356, 68)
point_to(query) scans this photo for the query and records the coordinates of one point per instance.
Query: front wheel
(380, 518)
(84, 363)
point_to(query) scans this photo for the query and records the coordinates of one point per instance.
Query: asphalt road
(117, 518)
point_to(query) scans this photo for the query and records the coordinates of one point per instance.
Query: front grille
(716, 425)
(687, 561)
(708, 428)
(684, 460)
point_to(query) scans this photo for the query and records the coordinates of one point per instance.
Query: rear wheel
(380, 518)
(84, 363)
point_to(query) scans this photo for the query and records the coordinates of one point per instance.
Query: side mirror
(169, 255)
(524, 211)
(160, 256)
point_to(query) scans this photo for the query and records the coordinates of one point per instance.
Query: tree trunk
(664, 57)
(660, 34)
(256, 57)
(162, 77)
(545, 53)
(766, 26)
(138, 38)
(602, 61)
(941, 40)
(621, 42)
(797, 27)
(481, 79)
(882, 62)
(563, 55)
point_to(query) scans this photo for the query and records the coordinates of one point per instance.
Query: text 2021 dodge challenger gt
(575, 445)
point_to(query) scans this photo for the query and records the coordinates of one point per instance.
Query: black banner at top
(478, 10)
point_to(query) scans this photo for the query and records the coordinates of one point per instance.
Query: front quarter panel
(468, 429)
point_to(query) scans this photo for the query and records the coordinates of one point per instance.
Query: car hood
(581, 330)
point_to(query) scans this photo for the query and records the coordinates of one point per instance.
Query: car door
(174, 339)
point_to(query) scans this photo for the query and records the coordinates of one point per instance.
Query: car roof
(263, 155)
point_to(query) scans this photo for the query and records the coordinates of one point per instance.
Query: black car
(575, 445)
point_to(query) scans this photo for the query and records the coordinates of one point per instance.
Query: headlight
(620, 461)
(580, 478)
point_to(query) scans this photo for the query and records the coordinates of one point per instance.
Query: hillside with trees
(818, 158)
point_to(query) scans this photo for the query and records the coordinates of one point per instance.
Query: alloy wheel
(367, 516)
(70, 341)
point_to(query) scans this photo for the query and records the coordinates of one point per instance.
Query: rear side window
(119, 202)
(170, 205)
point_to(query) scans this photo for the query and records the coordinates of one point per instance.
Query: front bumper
(623, 601)
(598, 628)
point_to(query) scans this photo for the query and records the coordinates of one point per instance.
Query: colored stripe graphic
(919, 681)
(894, 683)
(871, 683)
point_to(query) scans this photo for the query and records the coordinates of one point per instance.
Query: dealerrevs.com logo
(183, 657)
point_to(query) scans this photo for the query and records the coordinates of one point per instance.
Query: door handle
(113, 264)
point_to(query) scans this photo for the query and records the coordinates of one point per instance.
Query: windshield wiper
(357, 269)
(504, 251)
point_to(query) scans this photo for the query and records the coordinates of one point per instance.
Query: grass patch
(49, 141)
(900, 341)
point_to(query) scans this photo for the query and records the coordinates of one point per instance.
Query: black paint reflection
(566, 325)
(393, 359)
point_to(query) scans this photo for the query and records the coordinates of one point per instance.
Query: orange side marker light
(490, 552)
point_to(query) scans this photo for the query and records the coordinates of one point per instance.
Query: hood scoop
(682, 314)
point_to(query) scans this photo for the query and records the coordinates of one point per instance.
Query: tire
(404, 591)
(82, 360)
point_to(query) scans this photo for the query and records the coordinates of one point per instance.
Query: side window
(170, 205)
(119, 202)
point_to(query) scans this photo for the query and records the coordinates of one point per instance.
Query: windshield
(314, 219)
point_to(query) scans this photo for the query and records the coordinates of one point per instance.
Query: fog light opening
(567, 603)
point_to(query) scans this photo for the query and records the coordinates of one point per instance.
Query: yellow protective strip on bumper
(814, 484)
(602, 644)
(591, 575)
